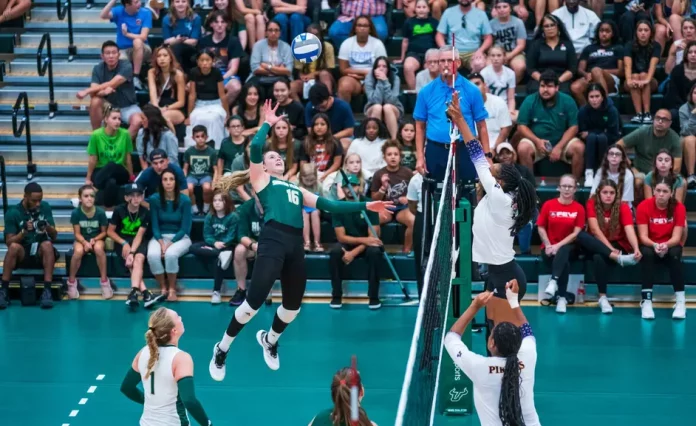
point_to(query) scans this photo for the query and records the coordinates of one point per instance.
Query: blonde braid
(231, 182)
(160, 326)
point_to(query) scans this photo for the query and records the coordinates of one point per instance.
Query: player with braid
(166, 373)
(280, 245)
(504, 381)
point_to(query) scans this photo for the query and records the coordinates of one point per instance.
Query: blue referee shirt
(431, 105)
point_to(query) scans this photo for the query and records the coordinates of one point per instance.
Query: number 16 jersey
(163, 407)
(282, 202)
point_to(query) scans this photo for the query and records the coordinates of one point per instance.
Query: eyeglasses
(273, 30)
(662, 119)
(463, 22)
(614, 154)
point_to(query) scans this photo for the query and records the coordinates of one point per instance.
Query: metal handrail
(63, 10)
(42, 64)
(24, 128)
(3, 185)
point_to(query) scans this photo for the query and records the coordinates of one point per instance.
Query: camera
(41, 225)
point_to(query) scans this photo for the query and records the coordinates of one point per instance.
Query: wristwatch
(489, 154)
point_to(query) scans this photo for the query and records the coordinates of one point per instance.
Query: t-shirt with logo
(507, 33)
(606, 58)
(110, 149)
(398, 183)
(200, 161)
(498, 84)
(128, 224)
(618, 235)
(486, 373)
(361, 57)
(18, 216)
(90, 227)
(135, 23)
(321, 158)
(420, 34)
(660, 226)
(560, 220)
(223, 51)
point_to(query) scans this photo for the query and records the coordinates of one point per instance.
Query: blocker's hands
(482, 299)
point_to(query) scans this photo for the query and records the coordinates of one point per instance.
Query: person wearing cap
(30, 232)
(150, 178)
(355, 240)
(128, 228)
(499, 121)
(431, 106)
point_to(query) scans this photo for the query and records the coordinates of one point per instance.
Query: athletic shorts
(499, 275)
(142, 249)
(34, 262)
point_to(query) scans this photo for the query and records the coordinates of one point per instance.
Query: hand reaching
(482, 299)
(379, 206)
(270, 113)
(453, 109)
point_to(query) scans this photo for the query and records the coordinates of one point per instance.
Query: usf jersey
(162, 407)
(282, 202)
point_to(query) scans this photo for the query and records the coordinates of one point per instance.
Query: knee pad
(287, 315)
(244, 313)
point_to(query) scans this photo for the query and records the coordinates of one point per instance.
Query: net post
(456, 394)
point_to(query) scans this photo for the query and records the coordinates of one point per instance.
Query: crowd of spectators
(209, 78)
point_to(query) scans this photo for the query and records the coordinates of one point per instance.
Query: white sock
(680, 295)
(272, 337)
(194, 209)
(226, 342)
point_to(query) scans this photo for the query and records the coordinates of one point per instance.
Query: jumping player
(280, 246)
(506, 208)
(503, 382)
(166, 373)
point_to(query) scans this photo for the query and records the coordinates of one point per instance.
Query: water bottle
(543, 181)
(581, 293)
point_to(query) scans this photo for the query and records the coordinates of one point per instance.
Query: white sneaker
(605, 306)
(561, 305)
(217, 364)
(270, 352)
(225, 259)
(646, 309)
(215, 298)
(679, 310)
(73, 293)
(589, 178)
(106, 290)
(551, 288)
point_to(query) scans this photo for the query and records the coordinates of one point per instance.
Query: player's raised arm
(331, 206)
(257, 175)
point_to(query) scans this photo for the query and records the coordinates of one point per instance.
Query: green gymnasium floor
(592, 369)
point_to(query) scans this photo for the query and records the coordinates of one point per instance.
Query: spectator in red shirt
(661, 221)
(615, 232)
(559, 223)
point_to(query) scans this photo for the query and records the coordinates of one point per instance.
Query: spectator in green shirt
(110, 165)
(547, 126)
(647, 141)
(232, 146)
(355, 240)
(199, 168)
(29, 235)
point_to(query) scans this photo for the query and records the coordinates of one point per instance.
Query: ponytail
(236, 179)
(340, 394)
(509, 405)
(158, 334)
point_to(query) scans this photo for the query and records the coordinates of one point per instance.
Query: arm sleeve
(187, 393)
(129, 387)
(258, 143)
(208, 234)
(339, 206)
(482, 167)
(185, 206)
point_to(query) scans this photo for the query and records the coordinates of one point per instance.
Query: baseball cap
(352, 180)
(133, 188)
(158, 154)
(504, 145)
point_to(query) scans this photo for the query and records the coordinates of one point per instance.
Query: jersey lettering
(661, 220)
(152, 383)
(565, 215)
(293, 197)
(494, 369)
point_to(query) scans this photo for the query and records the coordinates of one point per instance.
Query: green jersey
(200, 162)
(324, 418)
(110, 149)
(223, 229)
(229, 151)
(282, 202)
(250, 220)
(90, 227)
(18, 216)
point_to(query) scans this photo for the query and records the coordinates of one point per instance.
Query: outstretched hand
(379, 206)
(269, 112)
(454, 110)
(482, 299)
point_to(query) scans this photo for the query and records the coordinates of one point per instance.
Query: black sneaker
(132, 301)
(4, 300)
(647, 118)
(46, 299)
(638, 118)
(691, 182)
(217, 364)
(336, 303)
(149, 299)
(375, 304)
(238, 297)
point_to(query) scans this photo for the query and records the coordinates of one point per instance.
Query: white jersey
(162, 404)
(486, 373)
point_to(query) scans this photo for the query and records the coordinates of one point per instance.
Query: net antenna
(354, 393)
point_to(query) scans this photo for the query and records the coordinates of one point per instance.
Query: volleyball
(306, 47)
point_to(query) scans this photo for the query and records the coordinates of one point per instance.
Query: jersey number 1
(293, 197)
(152, 383)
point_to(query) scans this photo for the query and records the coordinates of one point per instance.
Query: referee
(431, 106)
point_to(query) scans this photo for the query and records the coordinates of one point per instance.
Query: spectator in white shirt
(369, 147)
(579, 22)
(498, 122)
(431, 70)
(501, 80)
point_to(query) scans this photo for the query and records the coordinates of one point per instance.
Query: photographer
(29, 235)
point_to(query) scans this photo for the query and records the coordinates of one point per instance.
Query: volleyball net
(433, 384)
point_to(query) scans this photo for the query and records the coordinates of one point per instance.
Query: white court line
(91, 389)
(65, 424)
(83, 401)
(100, 377)
(73, 413)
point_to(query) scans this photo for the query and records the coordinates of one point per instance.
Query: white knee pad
(244, 313)
(286, 315)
